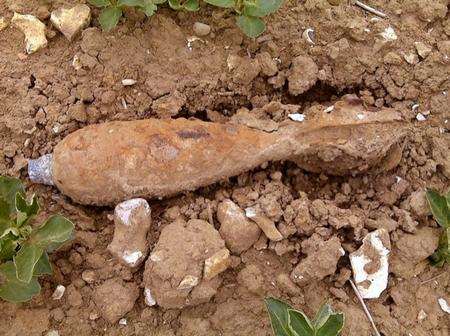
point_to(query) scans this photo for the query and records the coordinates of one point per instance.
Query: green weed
(440, 208)
(23, 248)
(249, 13)
(287, 321)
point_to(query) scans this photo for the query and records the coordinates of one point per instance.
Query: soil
(45, 97)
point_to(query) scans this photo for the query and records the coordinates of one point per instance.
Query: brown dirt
(44, 98)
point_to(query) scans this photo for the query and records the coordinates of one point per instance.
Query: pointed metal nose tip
(40, 170)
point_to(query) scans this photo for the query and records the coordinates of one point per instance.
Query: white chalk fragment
(59, 292)
(250, 212)
(125, 209)
(444, 305)
(132, 257)
(420, 117)
(123, 321)
(329, 109)
(371, 283)
(128, 82)
(360, 116)
(422, 315)
(389, 34)
(149, 300)
(297, 117)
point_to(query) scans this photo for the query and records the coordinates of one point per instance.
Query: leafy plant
(287, 321)
(440, 208)
(23, 248)
(249, 12)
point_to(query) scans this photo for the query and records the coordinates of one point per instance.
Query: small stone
(188, 282)
(59, 292)
(123, 321)
(33, 29)
(389, 34)
(149, 299)
(411, 58)
(3, 23)
(52, 333)
(114, 299)
(422, 315)
(201, 29)
(132, 221)
(297, 117)
(264, 223)
(418, 203)
(444, 305)
(71, 21)
(422, 49)
(420, 117)
(302, 75)
(89, 276)
(370, 264)
(128, 82)
(238, 232)
(216, 264)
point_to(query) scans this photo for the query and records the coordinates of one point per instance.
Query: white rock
(201, 29)
(411, 58)
(297, 117)
(123, 321)
(389, 34)
(444, 305)
(371, 285)
(420, 117)
(52, 333)
(132, 257)
(128, 82)
(59, 292)
(33, 29)
(308, 35)
(149, 299)
(422, 49)
(422, 315)
(71, 21)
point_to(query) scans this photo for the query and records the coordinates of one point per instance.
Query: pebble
(52, 333)
(149, 299)
(216, 264)
(308, 35)
(420, 117)
(389, 34)
(128, 82)
(123, 321)
(71, 21)
(297, 117)
(3, 23)
(422, 49)
(59, 292)
(444, 305)
(33, 29)
(264, 223)
(201, 29)
(371, 283)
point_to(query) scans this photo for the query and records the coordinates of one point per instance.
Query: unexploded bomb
(115, 161)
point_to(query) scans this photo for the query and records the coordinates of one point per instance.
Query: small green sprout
(23, 248)
(287, 321)
(440, 208)
(249, 12)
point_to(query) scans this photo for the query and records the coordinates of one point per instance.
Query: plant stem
(370, 9)
(366, 310)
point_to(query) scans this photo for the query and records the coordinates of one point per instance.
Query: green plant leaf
(251, 26)
(322, 315)
(149, 9)
(25, 210)
(43, 266)
(442, 253)
(260, 8)
(279, 318)
(222, 3)
(447, 197)
(131, 3)
(8, 245)
(56, 229)
(439, 208)
(9, 187)
(13, 290)
(25, 261)
(100, 3)
(299, 323)
(332, 326)
(175, 4)
(191, 5)
(109, 17)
